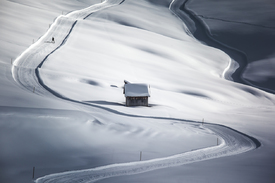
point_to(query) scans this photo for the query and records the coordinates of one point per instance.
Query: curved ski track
(25, 71)
(232, 143)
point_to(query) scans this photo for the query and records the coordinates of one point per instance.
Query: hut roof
(136, 90)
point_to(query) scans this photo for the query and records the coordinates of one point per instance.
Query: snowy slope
(84, 72)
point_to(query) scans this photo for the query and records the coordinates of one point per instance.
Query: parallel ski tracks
(31, 60)
(25, 71)
(232, 143)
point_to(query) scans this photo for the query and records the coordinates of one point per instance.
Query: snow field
(89, 76)
(114, 39)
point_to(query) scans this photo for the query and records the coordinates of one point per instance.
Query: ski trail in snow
(26, 66)
(232, 143)
(25, 71)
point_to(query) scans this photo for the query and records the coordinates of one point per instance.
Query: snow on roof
(136, 90)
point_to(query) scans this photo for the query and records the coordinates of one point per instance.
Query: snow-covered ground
(67, 113)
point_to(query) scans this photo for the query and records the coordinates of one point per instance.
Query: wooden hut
(136, 94)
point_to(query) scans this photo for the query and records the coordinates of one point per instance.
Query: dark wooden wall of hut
(136, 101)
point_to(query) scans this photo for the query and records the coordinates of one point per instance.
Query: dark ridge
(202, 33)
(231, 21)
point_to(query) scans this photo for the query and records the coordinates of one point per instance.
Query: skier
(53, 39)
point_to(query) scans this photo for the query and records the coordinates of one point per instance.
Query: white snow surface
(137, 90)
(62, 104)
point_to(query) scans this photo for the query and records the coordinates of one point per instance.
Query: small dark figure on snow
(52, 39)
